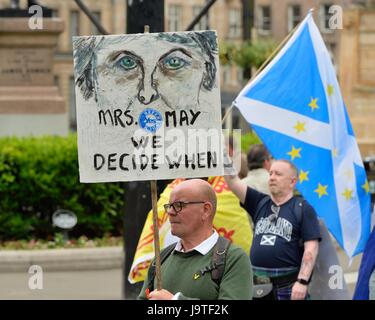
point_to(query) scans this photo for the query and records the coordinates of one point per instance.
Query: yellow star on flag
(321, 190)
(300, 127)
(349, 174)
(348, 194)
(313, 104)
(334, 152)
(366, 187)
(294, 153)
(330, 89)
(303, 176)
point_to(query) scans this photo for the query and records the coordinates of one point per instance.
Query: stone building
(352, 50)
(357, 74)
(225, 16)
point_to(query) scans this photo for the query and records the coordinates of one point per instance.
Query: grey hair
(291, 165)
(85, 62)
(206, 41)
(85, 50)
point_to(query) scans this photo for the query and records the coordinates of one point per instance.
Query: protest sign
(148, 106)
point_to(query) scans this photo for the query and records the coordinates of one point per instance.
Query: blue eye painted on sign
(150, 120)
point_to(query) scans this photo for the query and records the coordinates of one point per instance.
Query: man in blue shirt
(286, 237)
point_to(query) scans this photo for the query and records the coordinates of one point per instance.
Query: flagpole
(270, 57)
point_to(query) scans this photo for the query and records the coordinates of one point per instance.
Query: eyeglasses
(179, 205)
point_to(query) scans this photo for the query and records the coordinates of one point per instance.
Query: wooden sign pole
(154, 198)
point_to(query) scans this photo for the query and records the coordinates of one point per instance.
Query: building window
(175, 18)
(72, 105)
(264, 19)
(324, 17)
(56, 82)
(98, 16)
(203, 22)
(235, 23)
(74, 24)
(294, 16)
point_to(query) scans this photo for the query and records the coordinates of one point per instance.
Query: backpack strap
(164, 254)
(298, 209)
(218, 259)
(298, 212)
(217, 263)
(261, 203)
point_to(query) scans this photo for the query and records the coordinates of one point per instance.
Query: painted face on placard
(162, 70)
(142, 102)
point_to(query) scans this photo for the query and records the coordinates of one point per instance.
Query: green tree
(247, 54)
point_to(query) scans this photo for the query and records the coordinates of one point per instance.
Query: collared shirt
(203, 248)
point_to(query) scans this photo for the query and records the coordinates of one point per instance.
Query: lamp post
(65, 220)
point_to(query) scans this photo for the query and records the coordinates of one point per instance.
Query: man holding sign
(197, 267)
(148, 108)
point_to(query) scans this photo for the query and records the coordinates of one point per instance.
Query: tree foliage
(247, 54)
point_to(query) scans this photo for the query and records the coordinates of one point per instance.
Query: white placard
(148, 106)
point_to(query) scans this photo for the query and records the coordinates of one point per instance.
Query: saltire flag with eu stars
(296, 108)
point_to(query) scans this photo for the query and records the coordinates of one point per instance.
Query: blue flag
(366, 270)
(296, 108)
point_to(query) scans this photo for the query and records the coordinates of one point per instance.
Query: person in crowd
(286, 234)
(201, 265)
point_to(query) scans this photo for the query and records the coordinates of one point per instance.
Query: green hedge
(39, 176)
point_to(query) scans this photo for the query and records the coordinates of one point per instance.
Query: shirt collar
(204, 247)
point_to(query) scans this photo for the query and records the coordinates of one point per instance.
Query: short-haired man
(285, 246)
(187, 271)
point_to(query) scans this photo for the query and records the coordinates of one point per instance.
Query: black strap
(217, 263)
(261, 203)
(298, 211)
(218, 259)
